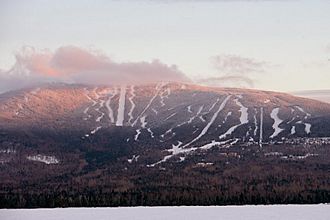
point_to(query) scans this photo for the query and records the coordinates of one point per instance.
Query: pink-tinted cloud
(77, 65)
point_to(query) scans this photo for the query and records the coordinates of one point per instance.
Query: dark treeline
(163, 198)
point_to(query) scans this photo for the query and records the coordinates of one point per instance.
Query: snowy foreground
(299, 212)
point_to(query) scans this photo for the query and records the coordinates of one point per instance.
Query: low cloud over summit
(76, 65)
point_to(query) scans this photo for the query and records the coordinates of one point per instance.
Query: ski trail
(107, 104)
(208, 111)
(155, 111)
(243, 120)
(144, 125)
(174, 151)
(206, 128)
(172, 115)
(121, 106)
(294, 117)
(136, 136)
(151, 133)
(261, 126)
(133, 159)
(96, 129)
(177, 149)
(308, 126)
(197, 114)
(201, 118)
(255, 123)
(186, 122)
(97, 96)
(101, 104)
(143, 121)
(189, 109)
(212, 107)
(148, 105)
(87, 108)
(226, 117)
(277, 122)
(162, 96)
(130, 113)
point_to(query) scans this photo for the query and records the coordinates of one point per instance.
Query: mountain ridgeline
(161, 144)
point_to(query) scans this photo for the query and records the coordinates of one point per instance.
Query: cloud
(234, 71)
(76, 65)
(233, 64)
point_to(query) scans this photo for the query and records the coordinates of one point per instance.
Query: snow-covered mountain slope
(178, 118)
(167, 108)
(160, 141)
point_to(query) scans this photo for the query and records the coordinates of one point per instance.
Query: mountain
(161, 144)
(321, 95)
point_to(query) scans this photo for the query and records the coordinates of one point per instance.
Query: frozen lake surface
(299, 212)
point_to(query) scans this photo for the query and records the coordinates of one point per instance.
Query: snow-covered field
(272, 212)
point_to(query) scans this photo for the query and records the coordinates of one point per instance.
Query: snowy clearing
(121, 106)
(277, 122)
(261, 212)
(243, 119)
(44, 159)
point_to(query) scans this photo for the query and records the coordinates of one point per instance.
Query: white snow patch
(308, 126)
(226, 118)
(170, 116)
(210, 145)
(130, 113)
(158, 87)
(121, 106)
(189, 109)
(243, 119)
(136, 136)
(261, 126)
(197, 114)
(96, 129)
(151, 133)
(133, 159)
(8, 151)
(143, 121)
(108, 106)
(206, 128)
(86, 93)
(273, 154)
(203, 164)
(255, 123)
(101, 104)
(298, 157)
(277, 122)
(155, 111)
(44, 159)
